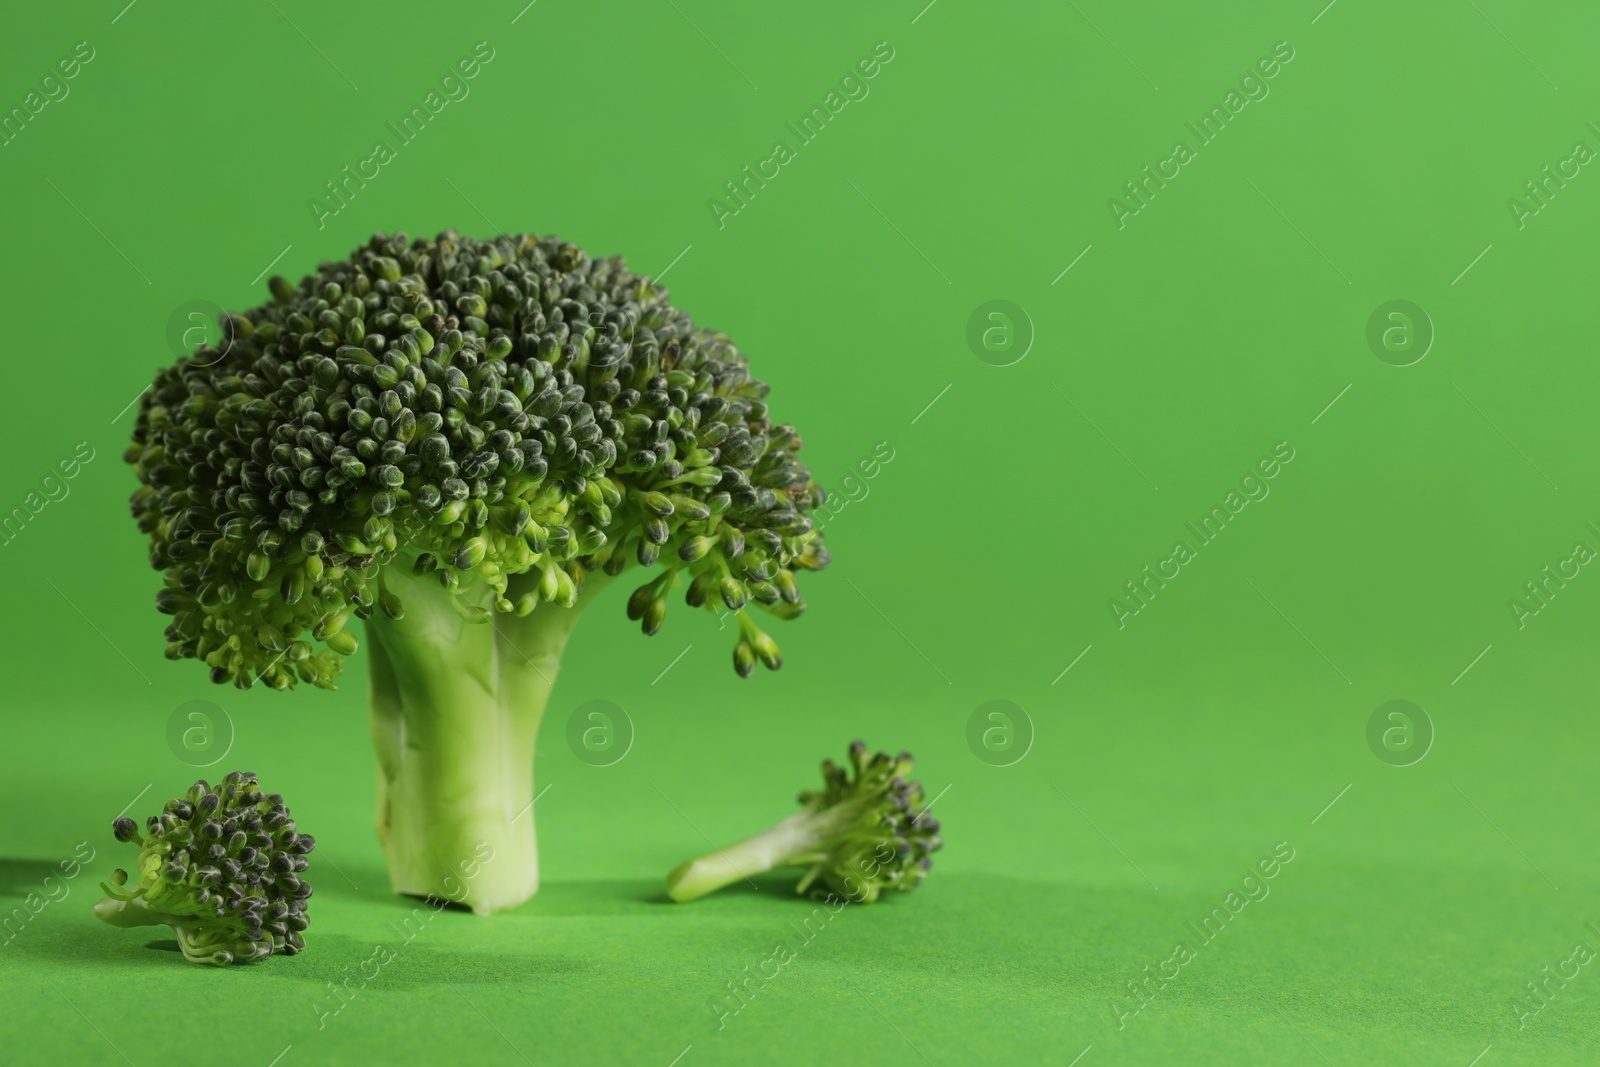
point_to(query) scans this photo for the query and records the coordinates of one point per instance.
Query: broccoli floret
(460, 442)
(223, 867)
(860, 837)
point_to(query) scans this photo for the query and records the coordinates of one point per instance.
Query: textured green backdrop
(1161, 348)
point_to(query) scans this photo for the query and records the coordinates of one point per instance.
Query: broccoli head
(223, 867)
(460, 442)
(862, 835)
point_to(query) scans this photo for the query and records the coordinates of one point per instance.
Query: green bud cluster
(863, 834)
(508, 415)
(876, 837)
(223, 867)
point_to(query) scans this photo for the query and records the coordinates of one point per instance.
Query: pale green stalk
(456, 706)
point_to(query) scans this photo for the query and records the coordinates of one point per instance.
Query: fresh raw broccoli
(223, 867)
(858, 838)
(460, 442)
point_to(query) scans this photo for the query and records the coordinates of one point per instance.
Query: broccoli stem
(131, 913)
(794, 842)
(200, 941)
(456, 705)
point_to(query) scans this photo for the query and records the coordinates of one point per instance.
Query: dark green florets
(507, 414)
(874, 835)
(223, 867)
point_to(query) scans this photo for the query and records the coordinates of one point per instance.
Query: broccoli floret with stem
(863, 835)
(459, 443)
(224, 867)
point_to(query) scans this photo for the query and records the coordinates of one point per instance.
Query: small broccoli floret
(223, 867)
(861, 836)
(458, 443)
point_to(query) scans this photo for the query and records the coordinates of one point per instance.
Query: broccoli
(859, 837)
(460, 442)
(223, 867)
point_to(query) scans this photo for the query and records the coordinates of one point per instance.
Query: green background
(1173, 355)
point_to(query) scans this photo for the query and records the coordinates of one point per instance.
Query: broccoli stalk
(456, 706)
(861, 836)
(459, 442)
(223, 868)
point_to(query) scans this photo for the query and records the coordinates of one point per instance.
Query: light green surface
(1175, 354)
